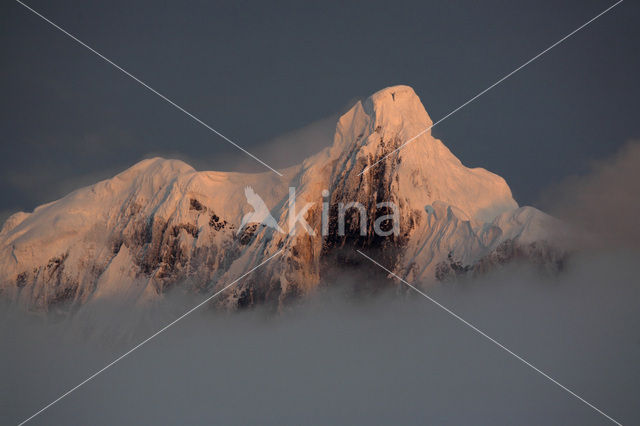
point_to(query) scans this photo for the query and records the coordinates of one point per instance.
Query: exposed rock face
(161, 223)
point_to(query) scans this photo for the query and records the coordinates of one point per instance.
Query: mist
(603, 203)
(338, 357)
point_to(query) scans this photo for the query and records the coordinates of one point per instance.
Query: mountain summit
(425, 168)
(162, 224)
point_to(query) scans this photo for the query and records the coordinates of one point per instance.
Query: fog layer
(336, 358)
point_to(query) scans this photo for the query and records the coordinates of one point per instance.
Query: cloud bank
(343, 358)
(604, 202)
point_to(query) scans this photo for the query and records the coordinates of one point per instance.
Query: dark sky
(256, 70)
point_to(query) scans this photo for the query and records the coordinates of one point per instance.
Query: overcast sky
(257, 70)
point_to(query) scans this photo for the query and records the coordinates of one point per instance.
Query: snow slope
(161, 223)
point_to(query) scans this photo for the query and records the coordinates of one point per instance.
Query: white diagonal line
(94, 375)
(149, 87)
(492, 340)
(493, 85)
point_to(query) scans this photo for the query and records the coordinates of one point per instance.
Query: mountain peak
(390, 136)
(393, 93)
(397, 106)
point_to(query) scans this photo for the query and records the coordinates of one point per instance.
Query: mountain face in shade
(162, 224)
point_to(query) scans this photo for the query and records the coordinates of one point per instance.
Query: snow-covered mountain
(161, 223)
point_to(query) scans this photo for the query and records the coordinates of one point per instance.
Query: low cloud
(604, 202)
(345, 357)
(286, 150)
